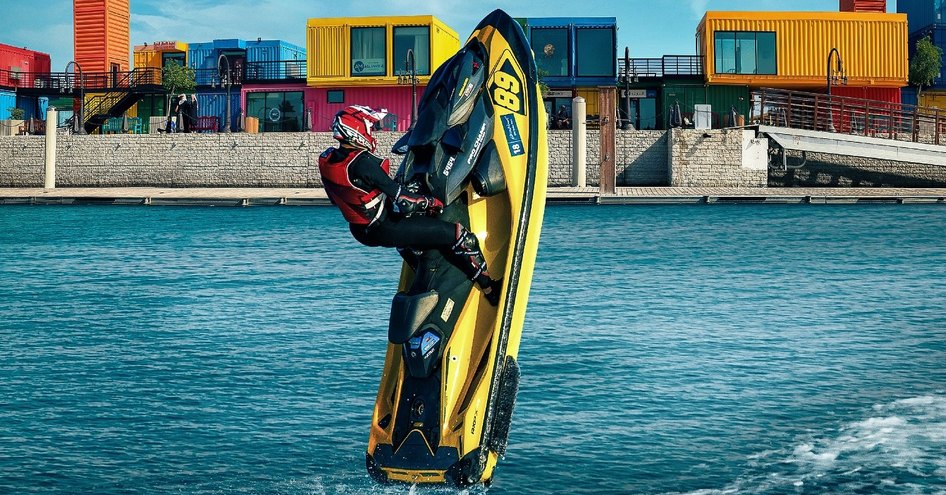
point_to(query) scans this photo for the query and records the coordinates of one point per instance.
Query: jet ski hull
(445, 401)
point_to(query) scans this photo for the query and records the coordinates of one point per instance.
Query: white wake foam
(900, 448)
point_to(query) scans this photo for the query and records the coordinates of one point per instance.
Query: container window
(595, 52)
(336, 96)
(177, 57)
(279, 111)
(745, 52)
(551, 57)
(725, 52)
(416, 38)
(765, 44)
(367, 52)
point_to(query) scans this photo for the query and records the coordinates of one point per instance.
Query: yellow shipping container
(873, 47)
(329, 46)
(152, 55)
(591, 100)
(933, 99)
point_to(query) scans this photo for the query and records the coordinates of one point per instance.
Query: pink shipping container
(396, 99)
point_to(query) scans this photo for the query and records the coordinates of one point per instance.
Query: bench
(206, 124)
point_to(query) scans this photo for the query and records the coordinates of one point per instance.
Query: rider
(381, 212)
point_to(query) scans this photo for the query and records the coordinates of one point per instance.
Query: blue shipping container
(264, 56)
(937, 35)
(921, 13)
(204, 56)
(908, 95)
(7, 101)
(575, 51)
(33, 107)
(215, 104)
(273, 51)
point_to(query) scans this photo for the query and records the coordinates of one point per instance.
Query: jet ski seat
(408, 313)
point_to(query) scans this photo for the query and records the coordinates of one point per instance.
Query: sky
(649, 28)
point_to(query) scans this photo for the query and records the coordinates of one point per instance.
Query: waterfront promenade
(556, 195)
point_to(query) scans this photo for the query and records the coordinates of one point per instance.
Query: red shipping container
(886, 95)
(863, 5)
(16, 63)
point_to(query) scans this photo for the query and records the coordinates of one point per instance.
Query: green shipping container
(721, 98)
(150, 106)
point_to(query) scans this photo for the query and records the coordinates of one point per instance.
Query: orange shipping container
(101, 34)
(790, 49)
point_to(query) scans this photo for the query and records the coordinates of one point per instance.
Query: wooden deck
(556, 195)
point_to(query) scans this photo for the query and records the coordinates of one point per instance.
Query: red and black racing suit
(358, 183)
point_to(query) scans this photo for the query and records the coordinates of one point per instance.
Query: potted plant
(11, 126)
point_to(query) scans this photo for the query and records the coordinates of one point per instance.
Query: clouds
(650, 27)
(698, 7)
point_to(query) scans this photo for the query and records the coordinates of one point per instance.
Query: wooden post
(936, 124)
(607, 110)
(915, 123)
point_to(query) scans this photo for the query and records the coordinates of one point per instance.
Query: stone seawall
(823, 170)
(726, 158)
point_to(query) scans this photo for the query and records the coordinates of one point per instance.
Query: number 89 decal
(506, 89)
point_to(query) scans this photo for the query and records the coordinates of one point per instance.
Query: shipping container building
(213, 103)
(934, 99)
(261, 59)
(372, 51)
(296, 106)
(101, 35)
(937, 35)
(274, 60)
(863, 6)
(159, 54)
(204, 57)
(908, 95)
(922, 13)
(574, 52)
(17, 63)
(790, 50)
(650, 101)
(574, 56)
(886, 95)
(7, 103)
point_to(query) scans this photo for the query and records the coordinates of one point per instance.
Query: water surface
(668, 349)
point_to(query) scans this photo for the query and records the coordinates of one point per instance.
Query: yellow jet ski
(450, 379)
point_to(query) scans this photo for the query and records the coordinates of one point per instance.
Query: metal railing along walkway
(846, 115)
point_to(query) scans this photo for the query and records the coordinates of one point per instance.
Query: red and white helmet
(352, 126)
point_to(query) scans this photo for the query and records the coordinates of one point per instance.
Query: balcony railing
(668, 65)
(64, 82)
(279, 70)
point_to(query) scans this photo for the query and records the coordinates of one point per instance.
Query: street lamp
(628, 79)
(836, 75)
(226, 125)
(410, 66)
(78, 121)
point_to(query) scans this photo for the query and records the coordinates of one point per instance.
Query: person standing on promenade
(184, 122)
(381, 212)
(193, 113)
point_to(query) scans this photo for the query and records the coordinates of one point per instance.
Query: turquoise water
(705, 349)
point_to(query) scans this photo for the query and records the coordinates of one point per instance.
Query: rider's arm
(369, 171)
